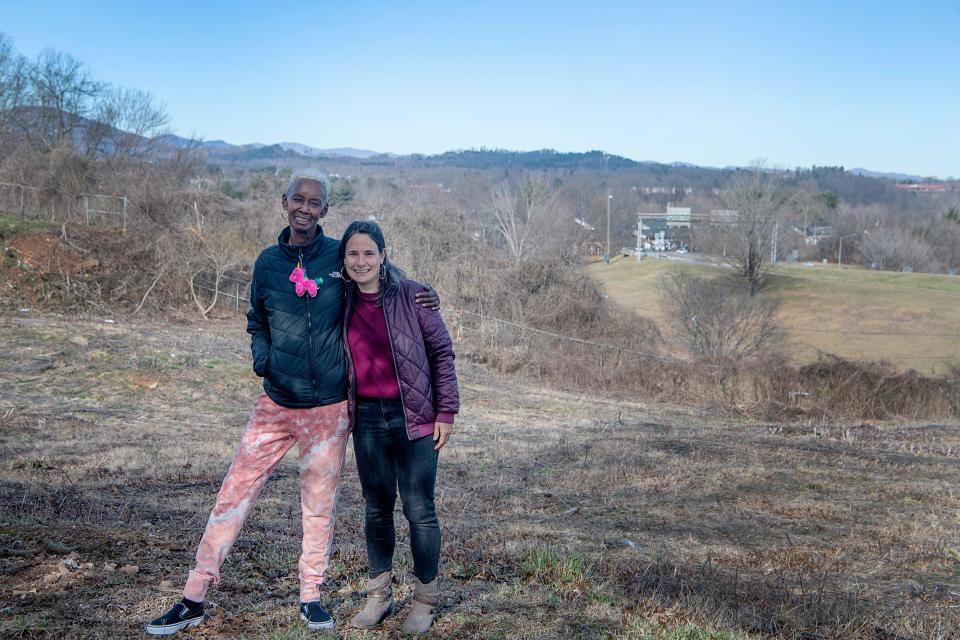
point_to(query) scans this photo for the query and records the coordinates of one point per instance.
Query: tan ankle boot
(379, 602)
(423, 608)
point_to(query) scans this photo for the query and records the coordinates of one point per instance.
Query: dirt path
(564, 516)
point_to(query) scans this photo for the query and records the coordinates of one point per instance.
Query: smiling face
(305, 205)
(362, 260)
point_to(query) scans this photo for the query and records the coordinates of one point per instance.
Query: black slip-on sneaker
(316, 617)
(178, 617)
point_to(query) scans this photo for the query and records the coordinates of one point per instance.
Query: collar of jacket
(350, 291)
(311, 249)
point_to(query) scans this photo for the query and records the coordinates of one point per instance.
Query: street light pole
(840, 251)
(609, 252)
(639, 238)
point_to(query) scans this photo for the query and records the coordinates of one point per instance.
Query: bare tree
(897, 250)
(13, 77)
(759, 199)
(719, 321)
(126, 121)
(213, 255)
(58, 97)
(519, 212)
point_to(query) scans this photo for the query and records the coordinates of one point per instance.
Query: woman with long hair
(402, 396)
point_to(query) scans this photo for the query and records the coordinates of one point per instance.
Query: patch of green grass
(907, 319)
(952, 552)
(605, 598)
(550, 472)
(11, 226)
(149, 362)
(460, 619)
(273, 560)
(645, 630)
(554, 568)
(22, 624)
(296, 632)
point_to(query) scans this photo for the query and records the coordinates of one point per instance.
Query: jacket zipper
(396, 369)
(351, 369)
(313, 372)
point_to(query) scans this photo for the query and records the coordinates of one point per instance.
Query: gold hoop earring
(343, 275)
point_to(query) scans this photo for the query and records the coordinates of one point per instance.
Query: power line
(563, 337)
(643, 353)
(877, 333)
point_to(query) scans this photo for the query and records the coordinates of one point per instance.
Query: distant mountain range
(100, 139)
(896, 177)
(473, 158)
(256, 150)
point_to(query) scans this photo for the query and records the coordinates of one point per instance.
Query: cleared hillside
(909, 319)
(564, 515)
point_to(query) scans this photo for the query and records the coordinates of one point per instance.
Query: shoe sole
(318, 626)
(170, 629)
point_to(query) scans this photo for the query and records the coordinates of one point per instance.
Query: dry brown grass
(767, 386)
(564, 515)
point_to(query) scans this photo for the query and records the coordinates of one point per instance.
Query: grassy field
(563, 516)
(911, 320)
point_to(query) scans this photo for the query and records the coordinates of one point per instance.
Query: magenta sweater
(370, 348)
(372, 356)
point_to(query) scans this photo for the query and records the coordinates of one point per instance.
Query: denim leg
(417, 478)
(378, 479)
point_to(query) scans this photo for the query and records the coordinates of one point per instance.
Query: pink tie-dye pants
(272, 430)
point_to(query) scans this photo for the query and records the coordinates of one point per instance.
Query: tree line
(54, 101)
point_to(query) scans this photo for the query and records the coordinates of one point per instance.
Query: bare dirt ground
(563, 516)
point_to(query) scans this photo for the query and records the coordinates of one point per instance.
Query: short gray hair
(310, 173)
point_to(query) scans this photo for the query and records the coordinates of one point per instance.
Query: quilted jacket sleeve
(258, 325)
(443, 373)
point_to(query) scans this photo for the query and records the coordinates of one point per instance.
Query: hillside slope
(564, 515)
(909, 319)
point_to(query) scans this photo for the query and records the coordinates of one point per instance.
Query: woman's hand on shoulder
(441, 433)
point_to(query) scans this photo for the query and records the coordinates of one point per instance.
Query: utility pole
(609, 250)
(607, 256)
(773, 244)
(840, 252)
(639, 238)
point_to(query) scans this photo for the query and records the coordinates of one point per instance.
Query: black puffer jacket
(296, 340)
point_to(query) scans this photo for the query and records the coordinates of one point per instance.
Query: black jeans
(386, 460)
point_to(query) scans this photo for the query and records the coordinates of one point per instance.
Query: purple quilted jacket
(423, 354)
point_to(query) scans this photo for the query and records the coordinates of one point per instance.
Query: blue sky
(859, 84)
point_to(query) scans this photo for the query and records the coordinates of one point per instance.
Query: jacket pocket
(262, 366)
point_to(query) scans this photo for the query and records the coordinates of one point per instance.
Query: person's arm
(258, 326)
(443, 373)
(427, 297)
